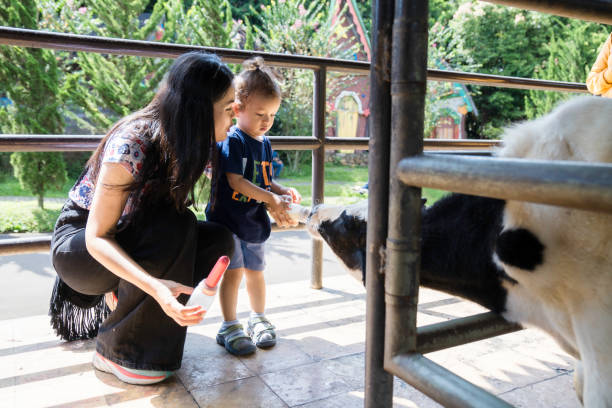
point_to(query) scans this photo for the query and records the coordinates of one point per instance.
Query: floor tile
(205, 363)
(306, 383)
(246, 393)
(557, 392)
(285, 354)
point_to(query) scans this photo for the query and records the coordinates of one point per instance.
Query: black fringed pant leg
(173, 246)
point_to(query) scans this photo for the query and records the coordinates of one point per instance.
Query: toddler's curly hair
(256, 78)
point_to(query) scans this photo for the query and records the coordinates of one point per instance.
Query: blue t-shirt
(244, 216)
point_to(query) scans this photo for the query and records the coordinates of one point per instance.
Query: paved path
(30, 198)
(318, 362)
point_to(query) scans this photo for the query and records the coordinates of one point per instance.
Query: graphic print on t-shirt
(261, 178)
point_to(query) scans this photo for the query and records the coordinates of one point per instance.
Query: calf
(537, 265)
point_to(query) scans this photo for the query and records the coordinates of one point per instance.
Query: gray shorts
(247, 255)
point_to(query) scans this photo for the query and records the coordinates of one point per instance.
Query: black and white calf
(538, 265)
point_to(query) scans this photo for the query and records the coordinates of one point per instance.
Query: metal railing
(394, 344)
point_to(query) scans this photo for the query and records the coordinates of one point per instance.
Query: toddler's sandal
(235, 341)
(262, 332)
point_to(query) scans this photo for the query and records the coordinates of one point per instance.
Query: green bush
(9, 186)
(25, 216)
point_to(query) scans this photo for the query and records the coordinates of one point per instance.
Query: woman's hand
(166, 295)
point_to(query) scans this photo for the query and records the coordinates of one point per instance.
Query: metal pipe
(52, 143)
(48, 143)
(408, 81)
(599, 11)
(318, 170)
(586, 186)
(15, 246)
(460, 331)
(378, 382)
(153, 49)
(504, 81)
(442, 385)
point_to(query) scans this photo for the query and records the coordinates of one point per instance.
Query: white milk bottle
(204, 293)
(298, 212)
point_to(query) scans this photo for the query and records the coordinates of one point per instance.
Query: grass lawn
(9, 186)
(342, 186)
(25, 216)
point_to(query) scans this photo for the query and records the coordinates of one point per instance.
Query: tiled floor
(318, 362)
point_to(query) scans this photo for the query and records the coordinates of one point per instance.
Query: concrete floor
(318, 361)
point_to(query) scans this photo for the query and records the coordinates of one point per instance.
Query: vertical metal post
(318, 170)
(378, 382)
(408, 84)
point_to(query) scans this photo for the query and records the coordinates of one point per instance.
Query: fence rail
(585, 186)
(599, 11)
(72, 42)
(60, 143)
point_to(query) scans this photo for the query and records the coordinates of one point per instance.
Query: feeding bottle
(204, 293)
(298, 212)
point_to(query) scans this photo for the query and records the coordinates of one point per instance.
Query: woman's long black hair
(179, 121)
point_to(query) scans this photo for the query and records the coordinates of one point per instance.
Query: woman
(126, 230)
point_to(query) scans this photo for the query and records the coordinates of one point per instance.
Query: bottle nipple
(217, 272)
(298, 212)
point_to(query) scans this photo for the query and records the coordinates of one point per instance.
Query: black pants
(170, 245)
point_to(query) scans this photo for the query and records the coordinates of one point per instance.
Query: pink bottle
(204, 294)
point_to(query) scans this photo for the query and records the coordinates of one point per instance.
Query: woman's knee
(76, 267)
(226, 241)
(215, 236)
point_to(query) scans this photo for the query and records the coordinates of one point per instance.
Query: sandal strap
(260, 325)
(233, 333)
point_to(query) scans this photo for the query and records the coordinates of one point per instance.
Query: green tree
(30, 78)
(442, 11)
(107, 87)
(302, 28)
(38, 171)
(572, 49)
(497, 40)
(365, 9)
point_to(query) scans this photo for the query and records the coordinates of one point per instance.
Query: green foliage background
(99, 89)
(481, 37)
(301, 28)
(30, 78)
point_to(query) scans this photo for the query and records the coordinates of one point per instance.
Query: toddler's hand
(296, 197)
(278, 209)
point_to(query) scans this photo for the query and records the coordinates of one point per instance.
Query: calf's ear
(520, 248)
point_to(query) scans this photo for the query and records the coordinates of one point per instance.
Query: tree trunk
(41, 202)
